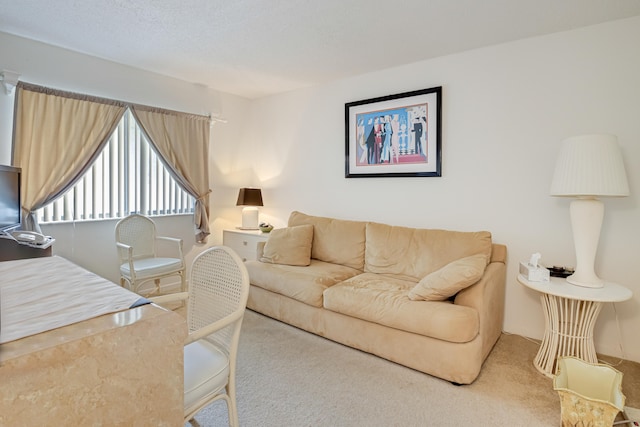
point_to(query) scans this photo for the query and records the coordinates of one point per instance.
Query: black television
(10, 217)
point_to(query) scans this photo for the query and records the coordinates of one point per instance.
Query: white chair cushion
(152, 266)
(206, 371)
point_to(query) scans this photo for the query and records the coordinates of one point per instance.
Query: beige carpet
(288, 377)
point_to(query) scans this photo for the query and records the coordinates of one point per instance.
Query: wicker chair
(216, 301)
(137, 245)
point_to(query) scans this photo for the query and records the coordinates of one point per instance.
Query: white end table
(244, 242)
(570, 314)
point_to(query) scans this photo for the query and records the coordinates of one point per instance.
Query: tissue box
(534, 274)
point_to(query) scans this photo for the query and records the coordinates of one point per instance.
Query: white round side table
(570, 314)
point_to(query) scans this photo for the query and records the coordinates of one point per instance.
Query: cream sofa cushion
(412, 253)
(450, 279)
(304, 284)
(334, 240)
(290, 246)
(384, 300)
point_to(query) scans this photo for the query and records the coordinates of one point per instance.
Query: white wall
(505, 110)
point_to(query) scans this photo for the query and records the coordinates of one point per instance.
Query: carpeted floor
(287, 377)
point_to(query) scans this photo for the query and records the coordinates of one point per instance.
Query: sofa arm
(260, 250)
(490, 289)
(487, 297)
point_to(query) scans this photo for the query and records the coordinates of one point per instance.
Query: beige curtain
(182, 142)
(57, 136)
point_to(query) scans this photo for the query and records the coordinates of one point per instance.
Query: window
(127, 177)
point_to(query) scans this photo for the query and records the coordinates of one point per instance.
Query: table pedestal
(569, 327)
(570, 314)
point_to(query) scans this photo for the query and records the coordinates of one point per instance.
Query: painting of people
(392, 136)
(396, 135)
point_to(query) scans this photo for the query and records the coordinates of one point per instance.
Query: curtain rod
(74, 95)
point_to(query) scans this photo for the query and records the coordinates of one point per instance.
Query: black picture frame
(395, 135)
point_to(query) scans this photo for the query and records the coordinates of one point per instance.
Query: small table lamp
(250, 198)
(588, 166)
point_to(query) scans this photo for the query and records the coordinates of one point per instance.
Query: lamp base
(586, 220)
(249, 218)
(595, 282)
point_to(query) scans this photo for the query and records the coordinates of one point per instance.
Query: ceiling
(254, 48)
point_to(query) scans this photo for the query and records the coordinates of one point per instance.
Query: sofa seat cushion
(334, 240)
(304, 284)
(385, 301)
(412, 253)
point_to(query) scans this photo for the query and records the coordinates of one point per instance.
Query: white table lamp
(250, 198)
(588, 166)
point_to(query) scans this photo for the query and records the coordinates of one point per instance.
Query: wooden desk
(10, 250)
(122, 368)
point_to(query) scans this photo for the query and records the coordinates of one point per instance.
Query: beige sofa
(432, 300)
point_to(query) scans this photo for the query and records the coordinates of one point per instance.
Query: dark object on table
(557, 271)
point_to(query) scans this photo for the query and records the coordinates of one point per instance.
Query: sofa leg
(456, 384)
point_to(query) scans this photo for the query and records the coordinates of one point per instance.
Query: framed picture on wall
(394, 136)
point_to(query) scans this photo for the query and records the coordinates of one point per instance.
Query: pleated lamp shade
(590, 165)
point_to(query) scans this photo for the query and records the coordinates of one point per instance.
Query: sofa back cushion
(413, 253)
(334, 240)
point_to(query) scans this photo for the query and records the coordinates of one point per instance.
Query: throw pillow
(450, 279)
(290, 246)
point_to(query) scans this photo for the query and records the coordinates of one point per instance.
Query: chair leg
(233, 415)
(231, 406)
(232, 411)
(183, 285)
(125, 283)
(183, 282)
(157, 282)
